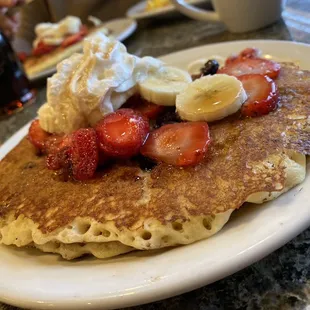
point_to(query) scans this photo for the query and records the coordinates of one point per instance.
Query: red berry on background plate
(262, 95)
(180, 144)
(252, 66)
(70, 40)
(43, 48)
(122, 133)
(22, 56)
(37, 136)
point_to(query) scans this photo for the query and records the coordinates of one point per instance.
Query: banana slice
(211, 98)
(162, 86)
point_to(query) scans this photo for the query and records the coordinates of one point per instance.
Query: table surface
(282, 279)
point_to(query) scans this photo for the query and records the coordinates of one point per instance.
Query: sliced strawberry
(22, 56)
(262, 95)
(230, 60)
(148, 109)
(52, 143)
(53, 161)
(42, 49)
(84, 153)
(83, 30)
(122, 133)
(180, 144)
(59, 150)
(252, 66)
(37, 136)
(249, 53)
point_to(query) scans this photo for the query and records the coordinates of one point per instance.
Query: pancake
(75, 250)
(249, 160)
(36, 64)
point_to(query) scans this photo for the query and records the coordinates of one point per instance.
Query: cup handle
(194, 12)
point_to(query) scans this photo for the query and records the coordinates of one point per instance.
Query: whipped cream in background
(90, 85)
(54, 33)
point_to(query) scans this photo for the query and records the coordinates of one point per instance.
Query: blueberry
(168, 117)
(210, 67)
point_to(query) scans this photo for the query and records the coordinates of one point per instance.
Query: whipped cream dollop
(87, 86)
(54, 33)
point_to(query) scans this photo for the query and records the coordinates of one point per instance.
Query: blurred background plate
(138, 11)
(120, 28)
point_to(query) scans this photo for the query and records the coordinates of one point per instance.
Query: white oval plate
(121, 29)
(35, 280)
(138, 10)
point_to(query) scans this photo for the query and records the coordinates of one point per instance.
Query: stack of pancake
(125, 208)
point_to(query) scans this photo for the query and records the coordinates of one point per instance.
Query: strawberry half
(244, 54)
(37, 136)
(180, 144)
(249, 52)
(252, 66)
(122, 133)
(84, 153)
(262, 95)
(59, 150)
(148, 109)
(22, 56)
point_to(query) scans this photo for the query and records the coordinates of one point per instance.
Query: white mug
(237, 15)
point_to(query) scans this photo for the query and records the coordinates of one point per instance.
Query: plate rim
(170, 287)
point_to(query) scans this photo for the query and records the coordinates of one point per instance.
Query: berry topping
(84, 153)
(42, 49)
(59, 151)
(229, 60)
(122, 133)
(74, 38)
(148, 109)
(181, 144)
(210, 67)
(252, 66)
(52, 144)
(249, 52)
(53, 161)
(170, 116)
(262, 95)
(22, 56)
(246, 53)
(37, 136)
